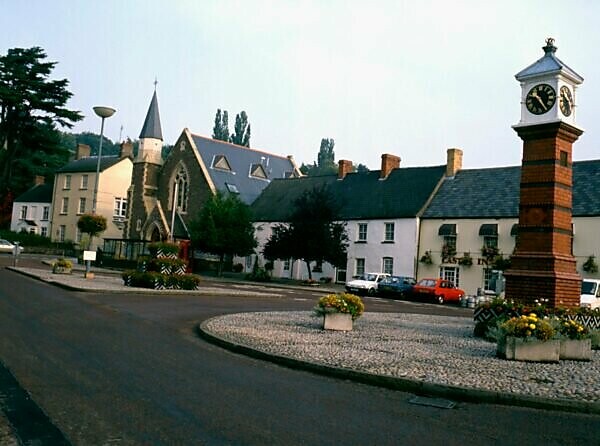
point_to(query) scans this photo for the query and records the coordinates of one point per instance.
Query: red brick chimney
(126, 149)
(388, 163)
(83, 151)
(454, 162)
(38, 179)
(344, 167)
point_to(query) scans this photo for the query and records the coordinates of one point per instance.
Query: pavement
(106, 280)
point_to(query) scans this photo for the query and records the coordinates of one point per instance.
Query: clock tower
(543, 266)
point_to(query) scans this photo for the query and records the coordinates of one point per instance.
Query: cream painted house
(74, 194)
(480, 207)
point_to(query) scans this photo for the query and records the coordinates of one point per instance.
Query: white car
(590, 293)
(9, 247)
(366, 283)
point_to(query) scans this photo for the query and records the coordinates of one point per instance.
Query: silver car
(9, 247)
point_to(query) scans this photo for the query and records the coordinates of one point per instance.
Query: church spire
(152, 128)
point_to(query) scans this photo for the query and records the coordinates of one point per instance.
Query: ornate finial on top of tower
(549, 48)
(155, 82)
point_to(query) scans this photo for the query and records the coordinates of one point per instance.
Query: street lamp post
(103, 112)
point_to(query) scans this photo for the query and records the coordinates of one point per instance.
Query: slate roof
(151, 127)
(547, 65)
(361, 195)
(494, 193)
(241, 159)
(40, 193)
(89, 164)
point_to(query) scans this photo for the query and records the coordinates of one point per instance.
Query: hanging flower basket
(426, 258)
(466, 259)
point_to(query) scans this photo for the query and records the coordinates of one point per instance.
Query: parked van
(590, 293)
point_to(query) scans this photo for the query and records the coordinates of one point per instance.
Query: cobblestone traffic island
(432, 349)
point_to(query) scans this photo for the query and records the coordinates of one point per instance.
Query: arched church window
(181, 187)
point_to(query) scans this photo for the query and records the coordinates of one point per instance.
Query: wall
(35, 212)
(113, 182)
(467, 240)
(402, 250)
(585, 243)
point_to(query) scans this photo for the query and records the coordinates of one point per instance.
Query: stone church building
(166, 195)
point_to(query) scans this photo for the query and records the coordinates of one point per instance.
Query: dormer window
(289, 174)
(220, 162)
(258, 171)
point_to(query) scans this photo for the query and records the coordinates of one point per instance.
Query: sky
(410, 78)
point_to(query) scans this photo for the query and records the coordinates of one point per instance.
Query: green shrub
(161, 263)
(183, 281)
(146, 279)
(237, 268)
(259, 275)
(595, 335)
(26, 239)
(340, 303)
(153, 280)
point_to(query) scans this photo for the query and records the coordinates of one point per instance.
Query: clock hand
(535, 95)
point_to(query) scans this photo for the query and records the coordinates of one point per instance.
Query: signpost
(88, 257)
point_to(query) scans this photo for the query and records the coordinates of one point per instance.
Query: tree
(325, 164)
(241, 132)
(360, 168)
(221, 128)
(224, 228)
(93, 140)
(31, 106)
(326, 155)
(312, 234)
(92, 225)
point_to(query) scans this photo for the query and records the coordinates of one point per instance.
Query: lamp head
(104, 112)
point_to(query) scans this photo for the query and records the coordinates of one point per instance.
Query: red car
(439, 290)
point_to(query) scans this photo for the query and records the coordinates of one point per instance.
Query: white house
(381, 209)
(32, 210)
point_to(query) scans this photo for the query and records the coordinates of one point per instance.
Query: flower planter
(337, 321)
(576, 349)
(61, 270)
(532, 350)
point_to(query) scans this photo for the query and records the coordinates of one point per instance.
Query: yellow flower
(532, 326)
(532, 315)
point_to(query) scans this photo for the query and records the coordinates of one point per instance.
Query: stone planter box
(61, 270)
(576, 349)
(517, 349)
(337, 321)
